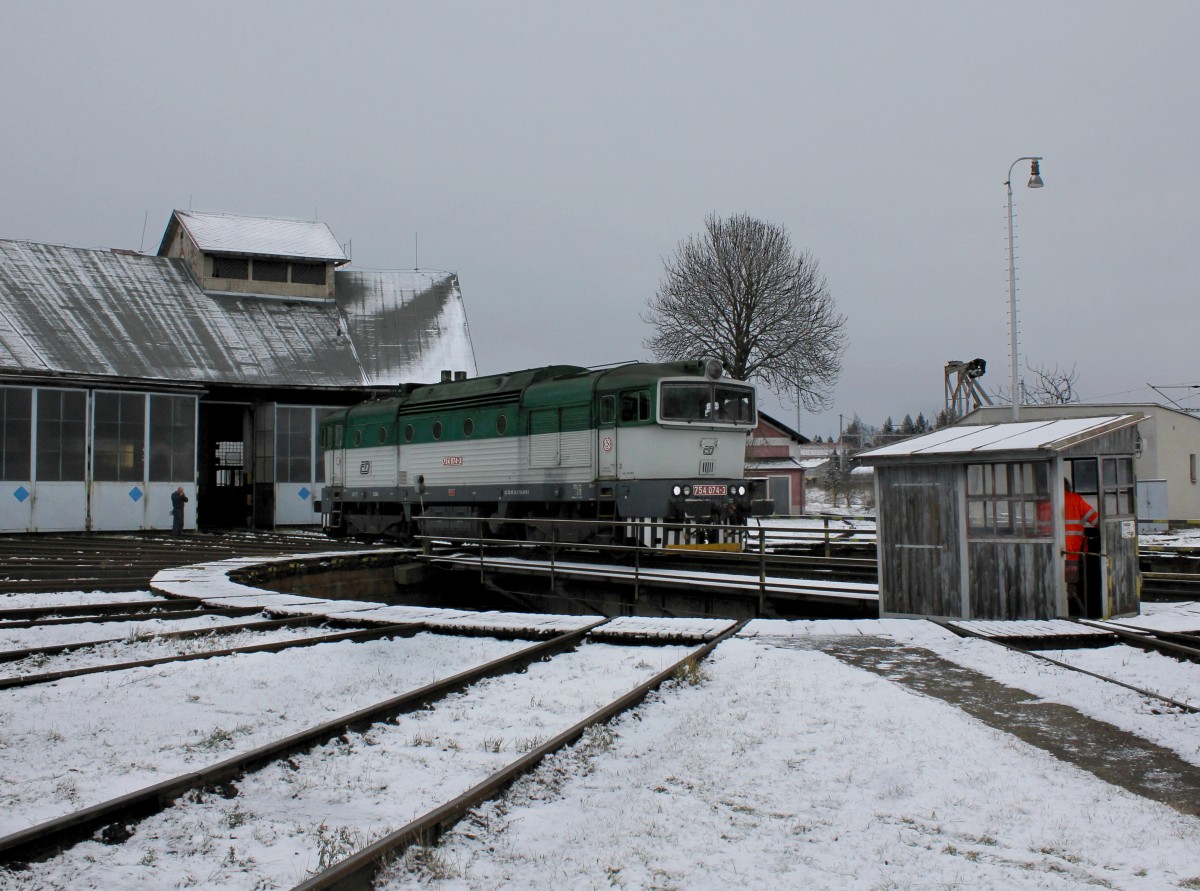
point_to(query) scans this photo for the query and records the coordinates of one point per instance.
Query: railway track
(1160, 642)
(115, 821)
(127, 562)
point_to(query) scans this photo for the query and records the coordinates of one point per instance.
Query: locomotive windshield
(703, 401)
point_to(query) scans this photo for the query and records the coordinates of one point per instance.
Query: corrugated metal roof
(1013, 436)
(223, 233)
(409, 326)
(73, 312)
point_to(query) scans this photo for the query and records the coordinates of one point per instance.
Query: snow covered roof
(70, 312)
(1014, 436)
(223, 233)
(774, 464)
(408, 326)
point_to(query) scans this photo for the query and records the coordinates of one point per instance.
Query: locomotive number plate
(709, 490)
(452, 461)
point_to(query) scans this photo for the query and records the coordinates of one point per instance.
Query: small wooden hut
(970, 519)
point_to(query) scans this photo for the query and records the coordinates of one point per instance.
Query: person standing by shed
(1078, 515)
(178, 500)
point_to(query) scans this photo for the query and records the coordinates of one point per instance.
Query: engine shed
(971, 520)
(124, 376)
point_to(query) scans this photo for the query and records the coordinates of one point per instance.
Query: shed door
(919, 559)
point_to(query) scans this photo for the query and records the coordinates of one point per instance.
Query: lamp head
(1035, 175)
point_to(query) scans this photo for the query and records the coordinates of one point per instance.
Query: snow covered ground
(775, 766)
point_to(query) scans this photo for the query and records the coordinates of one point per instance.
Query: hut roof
(990, 440)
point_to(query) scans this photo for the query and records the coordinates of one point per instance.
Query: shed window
(172, 438)
(293, 444)
(16, 418)
(270, 271)
(120, 437)
(308, 273)
(1010, 499)
(61, 435)
(231, 267)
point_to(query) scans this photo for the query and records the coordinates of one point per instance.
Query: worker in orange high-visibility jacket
(1078, 515)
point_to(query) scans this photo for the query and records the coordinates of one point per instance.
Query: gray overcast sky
(553, 154)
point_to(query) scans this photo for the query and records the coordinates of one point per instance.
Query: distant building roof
(223, 233)
(991, 439)
(69, 312)
(781, 427)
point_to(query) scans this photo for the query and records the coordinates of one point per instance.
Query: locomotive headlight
(677, 491)
(741, 490)
(687, 490)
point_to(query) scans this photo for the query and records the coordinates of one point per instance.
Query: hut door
(919, 555)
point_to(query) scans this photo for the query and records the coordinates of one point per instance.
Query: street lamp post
(1035, 182)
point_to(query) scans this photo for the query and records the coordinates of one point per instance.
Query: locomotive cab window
(721, 403)
(733, 404)
(358, 437)
(608, 409)
(635, 406)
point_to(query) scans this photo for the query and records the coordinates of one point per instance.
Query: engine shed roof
(77, 313)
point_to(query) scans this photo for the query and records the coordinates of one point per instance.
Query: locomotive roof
(549, 385)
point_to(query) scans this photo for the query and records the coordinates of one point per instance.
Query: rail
(45, 839)
(358, 871)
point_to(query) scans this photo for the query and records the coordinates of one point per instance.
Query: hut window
(1009, 499)
(1118, 482)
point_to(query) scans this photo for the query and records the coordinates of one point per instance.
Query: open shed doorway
(223, 492)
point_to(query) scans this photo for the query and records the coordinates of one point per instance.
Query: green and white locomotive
(627, 452)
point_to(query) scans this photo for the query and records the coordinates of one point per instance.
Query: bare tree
(1050, 386)
(741, 293)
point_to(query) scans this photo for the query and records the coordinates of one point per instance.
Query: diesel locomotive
(621, 451)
